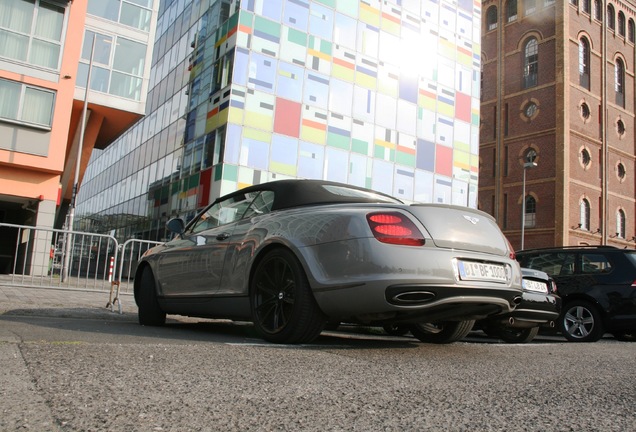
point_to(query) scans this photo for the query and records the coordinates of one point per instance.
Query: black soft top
(298, 193)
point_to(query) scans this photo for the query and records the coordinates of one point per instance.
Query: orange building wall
(28, 175)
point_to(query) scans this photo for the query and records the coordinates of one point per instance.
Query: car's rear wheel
(518, 335)
(580, 321)
(283, 307)
(149, 312)
(443, 332)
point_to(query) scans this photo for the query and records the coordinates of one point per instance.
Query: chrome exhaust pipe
(551, 324)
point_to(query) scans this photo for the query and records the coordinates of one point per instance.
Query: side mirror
(176, 225)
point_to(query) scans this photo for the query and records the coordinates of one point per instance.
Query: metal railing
(54, 258)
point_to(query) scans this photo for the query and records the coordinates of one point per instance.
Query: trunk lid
(461, 228)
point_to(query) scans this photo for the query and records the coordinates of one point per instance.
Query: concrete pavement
(61, 301)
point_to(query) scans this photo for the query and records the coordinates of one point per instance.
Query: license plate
(532, 285)
(476, 271)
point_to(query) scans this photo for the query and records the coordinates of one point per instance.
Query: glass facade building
(376, 93)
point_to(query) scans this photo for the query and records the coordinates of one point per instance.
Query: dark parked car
(540, 307)
(293, 255)
(597, 285)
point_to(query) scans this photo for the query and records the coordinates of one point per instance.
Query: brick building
(557, 109)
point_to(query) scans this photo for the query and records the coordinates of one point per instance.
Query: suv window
(553, 263)
(595, 263)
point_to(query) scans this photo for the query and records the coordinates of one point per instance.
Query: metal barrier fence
(48, 257)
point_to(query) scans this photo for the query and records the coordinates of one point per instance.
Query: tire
(441, 333)
(283, 307)
(150, 312)
(518, 335)
(580, 321)
(396, 329)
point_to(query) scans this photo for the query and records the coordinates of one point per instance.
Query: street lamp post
(71, 213)
(526, 166)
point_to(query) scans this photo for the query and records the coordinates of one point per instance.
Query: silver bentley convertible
(294, 255)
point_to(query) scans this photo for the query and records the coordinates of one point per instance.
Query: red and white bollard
(110, 269)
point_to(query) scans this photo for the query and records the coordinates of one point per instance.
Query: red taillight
(554, 286)
(395, 228)
(511, 254)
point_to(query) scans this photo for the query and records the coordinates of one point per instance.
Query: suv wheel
(580, 321)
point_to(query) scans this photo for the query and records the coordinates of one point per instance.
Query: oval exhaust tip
(414, 297)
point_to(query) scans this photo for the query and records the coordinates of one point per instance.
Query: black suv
(597, 285)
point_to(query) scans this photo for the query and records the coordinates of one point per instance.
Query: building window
(620, 171)
(133, 13)
(31, 32)
(574, 2)
(620, 127)
(620, 224)
(531, 6)
(26, 104)
(585, 111)
(586, 6)
(531, 212)
(630, 30)
(531, 63)
(585, 158)
(619, 82)
(491, 18)
(598, 10)
(530, 155)
(621, 24)
(584, 211)
(511, 10)
(611, 17)
(584, 63)
(530, 110)
(118, 65)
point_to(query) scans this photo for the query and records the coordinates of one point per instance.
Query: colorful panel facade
(372, 82)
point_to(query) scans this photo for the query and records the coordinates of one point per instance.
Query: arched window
(621, 24)
(586, 6)
(620, 224)
(531, 212)
(584, 211)
(584, 63)
(491, 18)
(611, 17)
(630, 30)
(511, 10)
(598, 11)
(619, 82)
(531, 63)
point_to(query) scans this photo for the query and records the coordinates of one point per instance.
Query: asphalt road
(66, 370)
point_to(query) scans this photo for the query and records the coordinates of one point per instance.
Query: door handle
(223, 236)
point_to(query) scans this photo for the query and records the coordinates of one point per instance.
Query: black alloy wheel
(283, 307)
(518, 335)
(442, 333)
(150, 312)
(580, 321)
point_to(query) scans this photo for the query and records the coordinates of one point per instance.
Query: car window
(553, 263)
(261, 204)
(224, 212)
(594, 263)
